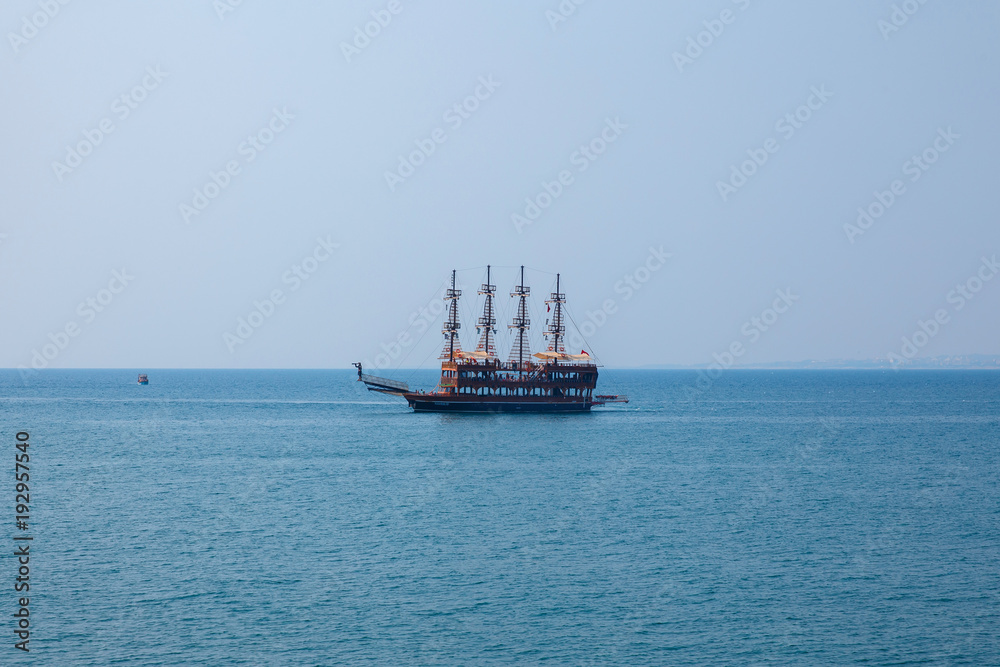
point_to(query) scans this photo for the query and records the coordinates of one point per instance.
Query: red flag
(584, 352)
(548, 307)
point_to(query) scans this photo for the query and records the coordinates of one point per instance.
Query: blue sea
(292, 518)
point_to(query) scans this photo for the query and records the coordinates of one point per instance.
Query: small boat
(143, 379)
(611, 398)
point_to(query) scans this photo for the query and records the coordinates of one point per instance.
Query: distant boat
(143, 379)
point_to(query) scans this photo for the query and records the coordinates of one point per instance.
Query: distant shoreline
(968, 362)
(781, 367)
(787, 366)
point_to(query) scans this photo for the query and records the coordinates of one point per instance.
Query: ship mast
(487, 323)
(451, 325)
(556, 328)
(521, 322)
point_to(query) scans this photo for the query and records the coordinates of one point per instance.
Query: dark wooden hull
(431, 403)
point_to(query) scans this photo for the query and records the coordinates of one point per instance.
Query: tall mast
(487, 323)
(521, 322)
(451, 326)
(556, 328)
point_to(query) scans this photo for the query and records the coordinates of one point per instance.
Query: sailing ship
(480, 381)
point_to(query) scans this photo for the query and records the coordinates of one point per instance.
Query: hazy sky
(178, 164)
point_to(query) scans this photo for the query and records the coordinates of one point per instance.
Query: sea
(289, 517)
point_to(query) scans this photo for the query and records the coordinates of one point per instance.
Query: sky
(223, 184)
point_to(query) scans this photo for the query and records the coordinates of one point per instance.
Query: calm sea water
(292, 518)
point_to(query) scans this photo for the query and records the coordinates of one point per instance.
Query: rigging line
(543, 316)
(471, 268)
(535, 336)
(414, 371)
(437, 290)
(612, 377)
(495, 266)
(534, 270)
(500, 315)
(582, 337)
(468, 315)
(504, 317)
(505, 266)
(414, 347)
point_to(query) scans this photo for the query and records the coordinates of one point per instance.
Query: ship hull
(425, 403)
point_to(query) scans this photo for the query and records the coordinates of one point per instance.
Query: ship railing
(486, 382)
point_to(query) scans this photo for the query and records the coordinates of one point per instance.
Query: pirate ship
(479, 381)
